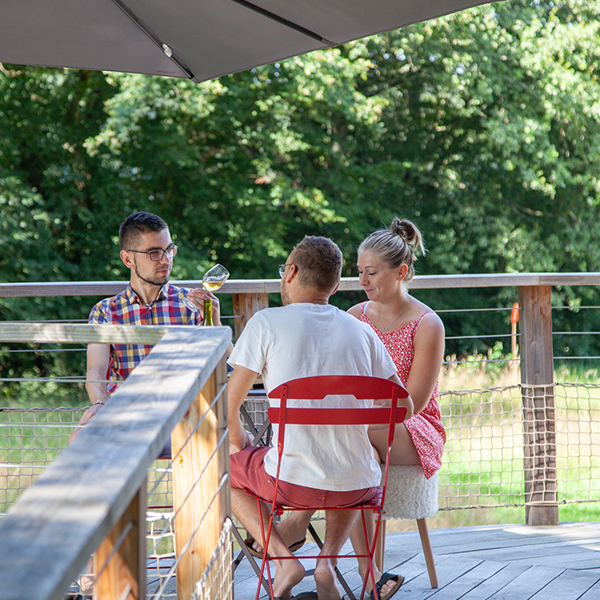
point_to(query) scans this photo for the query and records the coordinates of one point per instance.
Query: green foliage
(483, 127)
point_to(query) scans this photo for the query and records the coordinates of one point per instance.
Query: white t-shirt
(305, 340)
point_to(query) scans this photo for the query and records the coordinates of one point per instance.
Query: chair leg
(245, 552)
(380, 548)
(426, 543)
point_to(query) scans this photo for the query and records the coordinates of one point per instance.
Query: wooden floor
(512, 562)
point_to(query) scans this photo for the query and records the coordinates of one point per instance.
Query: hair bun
(409, 233)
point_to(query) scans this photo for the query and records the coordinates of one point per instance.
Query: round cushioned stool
(410, 495)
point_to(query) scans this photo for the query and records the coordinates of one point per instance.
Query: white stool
(410, 495)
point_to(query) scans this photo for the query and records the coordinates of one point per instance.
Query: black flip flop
(382, 581)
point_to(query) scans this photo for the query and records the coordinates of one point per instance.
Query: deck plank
(527, 584)
(449, 571)
(494, 584)
(592, 594)
(568, 586)
(471, 579)
(513, 562)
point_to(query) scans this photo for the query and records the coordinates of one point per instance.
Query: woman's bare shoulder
(431, 325)
(356, 310)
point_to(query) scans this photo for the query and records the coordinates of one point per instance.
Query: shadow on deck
(511, 562)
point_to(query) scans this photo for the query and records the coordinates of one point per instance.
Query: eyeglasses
(157, 255)
(282, 268)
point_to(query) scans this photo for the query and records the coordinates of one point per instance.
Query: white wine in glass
(213, 280)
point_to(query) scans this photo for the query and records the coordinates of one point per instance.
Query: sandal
(382, 581)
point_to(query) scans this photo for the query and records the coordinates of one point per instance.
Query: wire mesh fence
(32, 438)
(486, 448)
(484, 458)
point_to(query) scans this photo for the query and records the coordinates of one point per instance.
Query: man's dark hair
(136, 224)
(319, 263)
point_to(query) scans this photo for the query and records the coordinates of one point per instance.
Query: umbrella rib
(285, 22)
(164, 47)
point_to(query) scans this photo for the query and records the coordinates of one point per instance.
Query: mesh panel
(217, 581)
(498, 435)
(30, 439)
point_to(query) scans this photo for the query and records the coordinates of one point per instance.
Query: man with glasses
(147, 251)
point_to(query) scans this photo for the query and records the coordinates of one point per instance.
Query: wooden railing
(536, 351)
(92, 499)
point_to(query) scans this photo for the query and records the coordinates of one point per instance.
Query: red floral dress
(425, 428)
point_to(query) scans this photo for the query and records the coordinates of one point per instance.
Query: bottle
(208, 315)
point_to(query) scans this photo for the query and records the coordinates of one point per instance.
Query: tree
(482, 127)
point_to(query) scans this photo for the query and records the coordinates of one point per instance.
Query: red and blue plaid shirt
(127, 309)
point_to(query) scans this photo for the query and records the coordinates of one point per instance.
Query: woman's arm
(407, 402)
(429, 355)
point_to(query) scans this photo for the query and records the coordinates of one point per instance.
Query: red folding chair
(316, 388)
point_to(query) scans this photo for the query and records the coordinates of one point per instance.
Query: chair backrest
(316, 388)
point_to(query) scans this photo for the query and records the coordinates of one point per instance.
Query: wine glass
(213, 279)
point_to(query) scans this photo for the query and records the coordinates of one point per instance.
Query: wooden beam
(244, 306)
(223, 428)
(121, 563)
(271, 286)
(61, 520)
(537, 378)
(196, 475)
(48, 333)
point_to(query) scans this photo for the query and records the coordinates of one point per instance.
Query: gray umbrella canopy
(199, 39)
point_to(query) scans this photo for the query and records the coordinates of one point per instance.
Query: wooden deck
(511, 562)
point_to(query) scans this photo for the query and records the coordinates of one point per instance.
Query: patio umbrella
(198, 39)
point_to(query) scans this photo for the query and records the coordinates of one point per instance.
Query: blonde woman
(414, 337)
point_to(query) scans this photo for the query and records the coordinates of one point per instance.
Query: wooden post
(223, 426)
(244, 306)
(124, 576)
(195, 502)
(537, 378)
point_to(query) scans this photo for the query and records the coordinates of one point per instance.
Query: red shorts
(248, 473)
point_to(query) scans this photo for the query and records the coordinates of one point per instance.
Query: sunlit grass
(484, 453)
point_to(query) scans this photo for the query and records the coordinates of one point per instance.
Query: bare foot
(386, 588)
(289, 573)
(327, 588)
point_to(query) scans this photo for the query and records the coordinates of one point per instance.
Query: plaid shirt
(127, 309)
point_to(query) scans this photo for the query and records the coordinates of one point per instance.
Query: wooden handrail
(271, 286)
(58, 522)
(59, 333)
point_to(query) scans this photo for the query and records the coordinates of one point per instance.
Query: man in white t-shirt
(327, 465)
